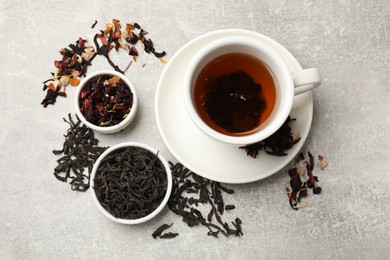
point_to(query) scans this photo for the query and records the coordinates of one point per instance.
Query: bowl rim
(163, 202)
(107, 129)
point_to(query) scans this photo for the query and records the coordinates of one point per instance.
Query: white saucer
(204, 155)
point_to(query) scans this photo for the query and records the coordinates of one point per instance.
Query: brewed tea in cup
(239, 90)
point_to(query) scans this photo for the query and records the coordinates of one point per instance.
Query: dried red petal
(83, 94)
(133, 51)
(296, 183)
(303, 193)
(79, 56)
(317, 190)
(300, 157)
(312, 180)
(116, 35)
(293, 172)
(51, 86)
(103, 40)
(57, 64)
(100, 109)
(110, 47)
(132, 38)
(310, 164)
(289, 195)
(117, 23)
(81, 42)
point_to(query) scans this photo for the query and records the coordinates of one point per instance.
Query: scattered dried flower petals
(300, 170)
(66, 67)
(301, 180)
(323, 163)
(74, 82)
(51, 87)
(78, 57)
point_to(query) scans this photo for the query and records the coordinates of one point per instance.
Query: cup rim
(205, 55)
(107, 129)
(153, 213)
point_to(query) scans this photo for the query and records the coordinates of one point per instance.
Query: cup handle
(306, 80)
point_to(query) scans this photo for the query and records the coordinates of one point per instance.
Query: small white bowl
(153, 213)
(107, 129)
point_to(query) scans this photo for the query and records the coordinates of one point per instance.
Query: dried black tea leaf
(94, 24)
(213, 233)
(276, 144)
(229, 207)
(205, 192)
(168, 235)
(80, 152)
(159, 230)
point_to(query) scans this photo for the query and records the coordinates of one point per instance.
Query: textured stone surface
(349, 41)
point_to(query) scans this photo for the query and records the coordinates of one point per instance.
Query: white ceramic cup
(287, 85)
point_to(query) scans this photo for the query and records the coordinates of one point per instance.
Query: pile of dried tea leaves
(78, 57)
(302, 179)
(130, 182)
(190, 191)
(276, 144)
(80, 151)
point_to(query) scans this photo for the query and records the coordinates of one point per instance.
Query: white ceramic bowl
(107, 129)
(153, 213)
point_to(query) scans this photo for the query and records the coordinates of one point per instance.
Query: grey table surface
(349, 41)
